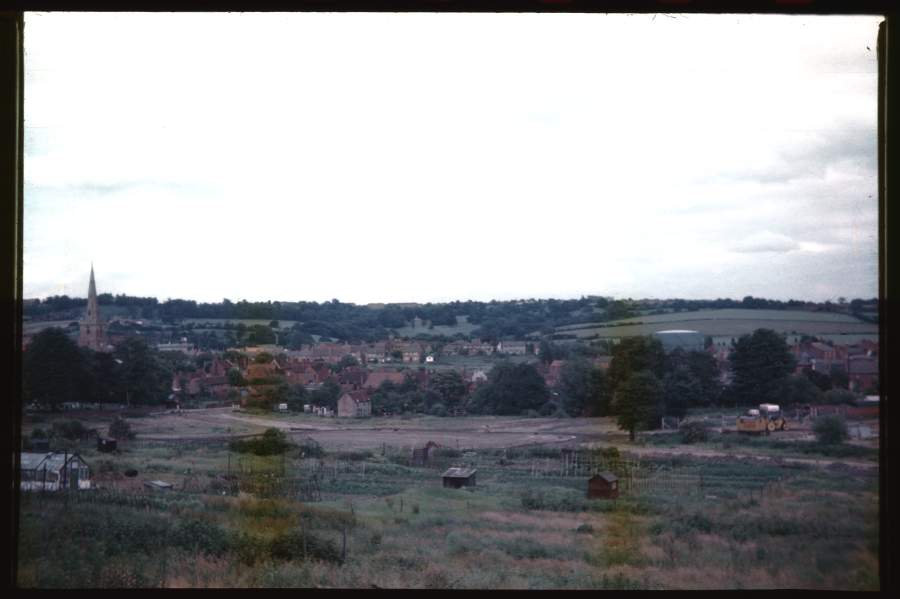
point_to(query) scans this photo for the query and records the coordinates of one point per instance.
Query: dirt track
(473, 432)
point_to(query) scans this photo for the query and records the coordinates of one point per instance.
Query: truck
(767, 419)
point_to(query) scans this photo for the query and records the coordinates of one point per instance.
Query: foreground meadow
(376, 522)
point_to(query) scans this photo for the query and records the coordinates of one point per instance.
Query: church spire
(93, 331)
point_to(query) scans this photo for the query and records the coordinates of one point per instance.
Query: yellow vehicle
(767, 419)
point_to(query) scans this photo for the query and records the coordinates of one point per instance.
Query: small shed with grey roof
(454, 478)
(53, 471)
(603, 485)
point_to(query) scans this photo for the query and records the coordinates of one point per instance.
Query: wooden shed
(454, 478)
(604, 485)
(421, 456)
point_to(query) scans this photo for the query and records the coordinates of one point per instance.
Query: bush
(69, 429)
(839, 396)
(38, 433)
(693, 432)
(120, 429)
(201, 536)
(290, 546)
(438, 409)
(272, 442)
(830, 430)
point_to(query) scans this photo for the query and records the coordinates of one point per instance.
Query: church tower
(92, 332)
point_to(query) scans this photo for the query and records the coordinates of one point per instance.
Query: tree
(839, 396)
(53, 369)
(637, 402)
(634, 354)
(511, 389)
(760, 362)
(327, 395)
(120, 429)
(263, 358)
(582, 389)
(681, 390)
(797, 390)
(819, 379)
(235, 378)
(449, 387)
(839, 378)
(346, 362)
(830, 430)
(145, 378)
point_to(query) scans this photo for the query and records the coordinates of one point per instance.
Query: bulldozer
(767, 419)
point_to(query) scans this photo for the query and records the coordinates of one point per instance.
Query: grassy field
(462, 326)
(729, 322)
(684, 522)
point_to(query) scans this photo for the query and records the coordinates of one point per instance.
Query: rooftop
(459, 473)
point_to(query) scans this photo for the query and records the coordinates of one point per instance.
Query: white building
(54, 471)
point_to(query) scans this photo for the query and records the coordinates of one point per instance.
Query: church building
(92, 333)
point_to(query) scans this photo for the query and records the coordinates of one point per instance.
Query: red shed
(604, 485)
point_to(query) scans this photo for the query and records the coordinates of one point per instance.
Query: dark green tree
(449, 387)
(511, 389)
(796, 389)
(235, 378)
(346, 362)
(760, 363)
(263, 358)
(839, 397)
(682, 389)
(637, 402)
(53, 369)
(582, 389)
(327, 395)
(634, 354)
(830, 430)
(145, 377)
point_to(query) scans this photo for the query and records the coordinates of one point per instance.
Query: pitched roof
(459, 473)
(607, 476)
(358, 396)
(862, 366)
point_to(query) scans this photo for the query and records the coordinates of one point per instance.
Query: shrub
(290, 546)
(446, 452)
(38, 433)
(438, 409)
(830, 430)
(272, 442)
(120, 429)
(839, 396)
(311, 449)
(693, 432)
(200, 535)
(69, 429)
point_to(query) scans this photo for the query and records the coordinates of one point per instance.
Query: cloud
(765, 241)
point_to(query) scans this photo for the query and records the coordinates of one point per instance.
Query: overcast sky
(432, 157)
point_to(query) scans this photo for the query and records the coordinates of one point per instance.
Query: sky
(402, 157)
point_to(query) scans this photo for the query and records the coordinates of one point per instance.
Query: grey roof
(157, 484)
(607, 476)
(459, 472)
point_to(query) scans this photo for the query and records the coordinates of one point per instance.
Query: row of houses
(859, 361)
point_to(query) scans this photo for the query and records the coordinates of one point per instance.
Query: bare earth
(482, 432)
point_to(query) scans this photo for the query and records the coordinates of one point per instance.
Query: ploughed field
(346, 507)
